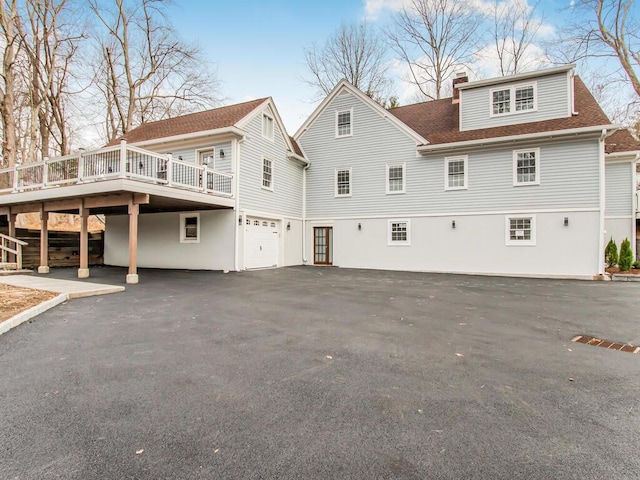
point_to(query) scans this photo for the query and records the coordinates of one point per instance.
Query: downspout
(601, 266)
(304, 213)
(235, 147)
(636, 206)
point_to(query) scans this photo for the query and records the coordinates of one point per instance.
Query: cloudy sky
(257, 46)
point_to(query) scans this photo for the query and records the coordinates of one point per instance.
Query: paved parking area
(324, 373)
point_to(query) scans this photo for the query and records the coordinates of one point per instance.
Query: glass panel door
(322, 245)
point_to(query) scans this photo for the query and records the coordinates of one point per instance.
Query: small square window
(501, 101)
(395, 178)
(343, 123)
(399, 232)
(267, 127)
(526, 167)
(455, 173)
(267, 174)
(190, 228)
(343, 182)
(524, 98)
(521, 230)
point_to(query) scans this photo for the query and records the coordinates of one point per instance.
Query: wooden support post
(134, 210)
(12, 230)
(83, 271)
(44, 241)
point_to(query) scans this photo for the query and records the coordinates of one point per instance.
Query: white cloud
(373, 8)
(486, 63)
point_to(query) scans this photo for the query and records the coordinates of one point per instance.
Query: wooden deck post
(12, 233)
(44, 241)
(134, 210)
(83, 271)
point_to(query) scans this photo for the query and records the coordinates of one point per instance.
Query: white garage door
(261, 242)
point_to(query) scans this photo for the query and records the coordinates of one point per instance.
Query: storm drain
(598, 342)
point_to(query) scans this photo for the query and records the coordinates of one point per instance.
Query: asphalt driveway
(324, 373)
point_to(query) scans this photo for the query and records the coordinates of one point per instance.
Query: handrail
(17, 252)
(11, 239)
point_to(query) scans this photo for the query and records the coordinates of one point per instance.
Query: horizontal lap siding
(222, 164)
(619, 181)
(286, 197)
(374, 143)
(553, 102)
(569, 172)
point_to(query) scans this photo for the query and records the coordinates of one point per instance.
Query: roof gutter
(187, 136)
(295, 156)
(597, 129)
(515, 78)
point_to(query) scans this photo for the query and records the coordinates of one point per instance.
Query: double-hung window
(344, 119)
(343, 182)
(267, 174)
(399, 232)
(455, 171)
(396, 178)
(267, 127)
(189, 228)
(521, 230)
(513, 99)
(526, 167)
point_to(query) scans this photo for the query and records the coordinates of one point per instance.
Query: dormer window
(343, 123)
(514, 99)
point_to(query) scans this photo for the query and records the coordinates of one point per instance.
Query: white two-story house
(520, 175)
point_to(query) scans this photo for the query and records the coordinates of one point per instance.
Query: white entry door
(261, 242)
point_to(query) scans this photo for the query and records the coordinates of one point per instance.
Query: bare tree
(606, 29)
(144, 71)
(515, 27)
(355, 52)
(434, 38)
(11, 42)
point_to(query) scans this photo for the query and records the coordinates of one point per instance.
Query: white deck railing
(123, 161)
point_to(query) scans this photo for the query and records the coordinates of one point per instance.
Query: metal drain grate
(597, 342)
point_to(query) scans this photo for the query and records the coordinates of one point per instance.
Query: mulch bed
(633, 271)
(14, 300)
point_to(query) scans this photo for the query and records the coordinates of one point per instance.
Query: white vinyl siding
(344, 123)
(526, 167)
(489, 175)
(343, 182)
(619, 181)
(455, 173)
(221, 150)
(189, 228)
(399, 232)
(520, 230)
(551, 100)
(286, 199)
(396, 178)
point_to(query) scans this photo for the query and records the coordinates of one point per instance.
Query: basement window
(189, 228)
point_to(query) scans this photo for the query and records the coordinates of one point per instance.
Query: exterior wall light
(453, 224)
(359, 226)
(221, 153)
(288, 226)
(566, 221)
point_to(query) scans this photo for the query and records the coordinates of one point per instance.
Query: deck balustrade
(122, 161)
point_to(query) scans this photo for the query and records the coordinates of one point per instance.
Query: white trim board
(458, 214)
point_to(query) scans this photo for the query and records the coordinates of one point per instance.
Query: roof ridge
(257, 100)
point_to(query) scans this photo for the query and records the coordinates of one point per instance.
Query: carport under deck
(120, 180)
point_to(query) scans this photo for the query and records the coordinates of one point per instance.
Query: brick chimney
(461, 77)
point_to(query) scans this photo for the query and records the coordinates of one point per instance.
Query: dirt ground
(633, 271)
(14, 300)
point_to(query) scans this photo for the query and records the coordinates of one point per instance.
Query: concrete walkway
(73, 289)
